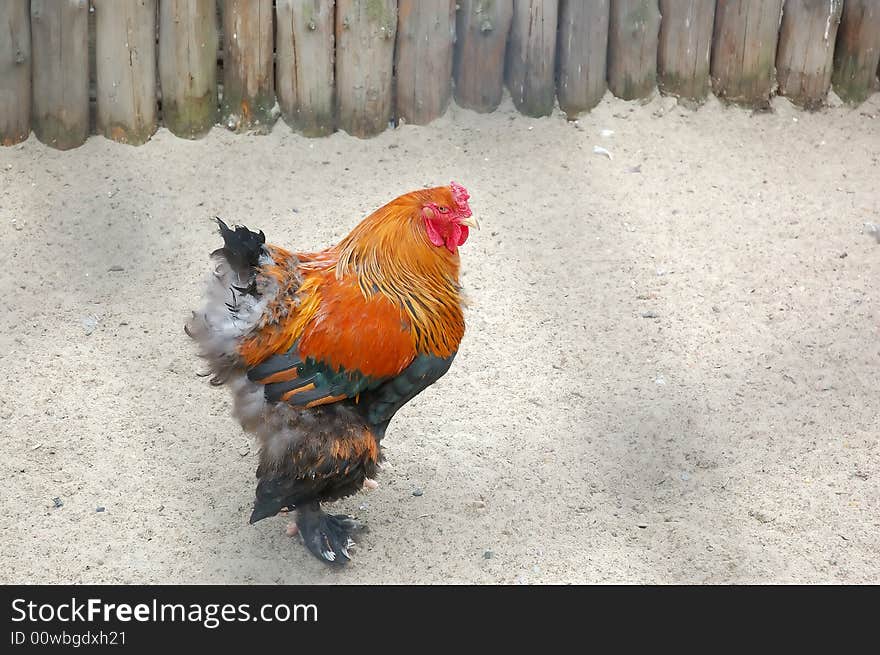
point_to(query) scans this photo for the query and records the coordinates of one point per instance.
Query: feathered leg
(327, 536)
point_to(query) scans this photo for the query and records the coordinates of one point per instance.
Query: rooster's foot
(327, 536)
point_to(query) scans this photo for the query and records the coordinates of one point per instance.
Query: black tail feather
(241, 247)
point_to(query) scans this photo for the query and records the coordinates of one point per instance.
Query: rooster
(321, 349)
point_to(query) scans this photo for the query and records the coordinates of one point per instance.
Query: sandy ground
(670, 372)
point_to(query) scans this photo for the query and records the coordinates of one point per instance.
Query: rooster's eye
(443, 210)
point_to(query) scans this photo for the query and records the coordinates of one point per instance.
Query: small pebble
(89, 323)
(650, 314)
(57, 502)
(99, 508)
(116, 268)
(417, 492)
(488, 554)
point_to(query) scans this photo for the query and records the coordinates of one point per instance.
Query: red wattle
(452, 240)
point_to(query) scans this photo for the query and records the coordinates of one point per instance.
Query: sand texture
(670, 372)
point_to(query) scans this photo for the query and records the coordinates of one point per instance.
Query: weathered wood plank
(305, 61)
(423, 59)
(805, 55)
(582, 53)
(188, 66)
(685, 46)
(858, 50)
(248, 73)
(365, 31)
(531, 56)
(633, 34)
(15, 71)
(125, 55)
(93, 83)
(744, 50)
(482, 27)
(60, 54)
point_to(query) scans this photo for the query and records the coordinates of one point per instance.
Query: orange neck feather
(390, 253)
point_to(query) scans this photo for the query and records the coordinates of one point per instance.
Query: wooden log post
(188, 66)
(60, 55)
(858, 50)
(15, 71)
(633, 34)
(531, 56)
(304, 68)
(248, 73)
(582, 49)
(482, 27)
(125, 55)
(365, 31)
(805, 55)
(423, 59)
(744, 50)
(685, 46)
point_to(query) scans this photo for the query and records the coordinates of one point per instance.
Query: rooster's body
(321, 349)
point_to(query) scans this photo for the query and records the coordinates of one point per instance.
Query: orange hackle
(374, 301)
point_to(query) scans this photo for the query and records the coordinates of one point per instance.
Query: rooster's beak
(470, 222)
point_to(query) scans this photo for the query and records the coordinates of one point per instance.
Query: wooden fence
(69, 68)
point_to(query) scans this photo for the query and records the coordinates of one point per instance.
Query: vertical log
(858, 50)
(632, 48)
(365, 31)
(248, 74)
(685, 46)
(804, 58)
(582, 54)
(423, 60)
(744, 50)
(125, 55)
(531, 55)
(15, 72)
(188, 66)
(482, 27)
(304, 75)
(93, 83)
(60, 53)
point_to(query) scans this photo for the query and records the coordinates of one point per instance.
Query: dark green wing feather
(300, 381)
(311, 381)
(380, 404)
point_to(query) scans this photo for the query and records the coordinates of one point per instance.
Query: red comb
(461, 196)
